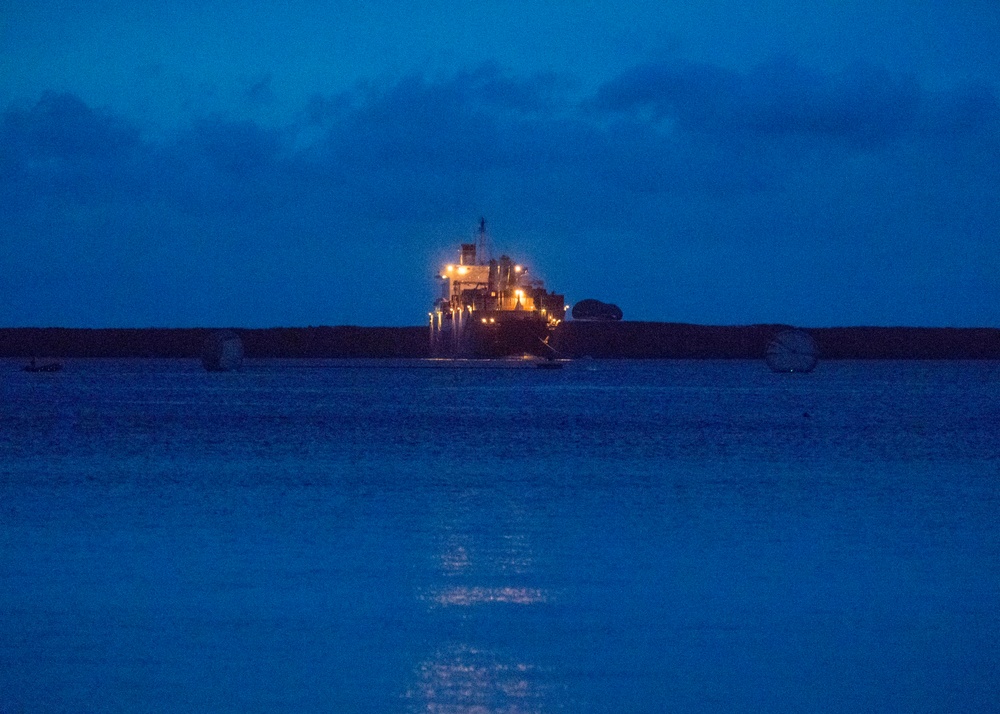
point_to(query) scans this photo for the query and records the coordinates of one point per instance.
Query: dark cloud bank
(247, 223)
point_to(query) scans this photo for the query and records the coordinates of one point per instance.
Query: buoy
(222, 351)
(792, 351)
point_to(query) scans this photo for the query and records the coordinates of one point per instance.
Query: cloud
(697, 96)
(260, 92)
(63, 148)
(864, 105)
(218, 165)
(421, 146)
(772, 166)
(62, 126)
(463, 122)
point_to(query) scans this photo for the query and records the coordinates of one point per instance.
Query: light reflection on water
(481, 577)
(466, 680)
(465, 596)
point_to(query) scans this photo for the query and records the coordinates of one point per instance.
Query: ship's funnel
(467, 255)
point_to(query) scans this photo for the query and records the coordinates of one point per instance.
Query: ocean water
(468, 538)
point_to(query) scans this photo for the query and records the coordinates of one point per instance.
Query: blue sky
(198, 163)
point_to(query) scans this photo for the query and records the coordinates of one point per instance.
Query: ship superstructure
(491, 308)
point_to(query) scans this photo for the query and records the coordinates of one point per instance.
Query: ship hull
(502, 335)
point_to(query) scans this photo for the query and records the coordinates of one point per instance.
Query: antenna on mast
(483, 244)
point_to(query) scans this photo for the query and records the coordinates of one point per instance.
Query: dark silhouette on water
(222, 352)
(792, 351)
(33, 366)
(549, 364)
(590, 309)
(550, 361)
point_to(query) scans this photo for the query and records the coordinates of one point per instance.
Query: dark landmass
(635, 340)
(189, 342)
(684, 341)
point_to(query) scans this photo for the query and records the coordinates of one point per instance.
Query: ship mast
(483, 252)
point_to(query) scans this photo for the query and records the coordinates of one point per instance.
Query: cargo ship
(492, 308)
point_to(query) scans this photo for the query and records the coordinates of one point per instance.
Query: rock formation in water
(591, 309)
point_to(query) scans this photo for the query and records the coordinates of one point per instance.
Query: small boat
(549, 364)
(33, 366)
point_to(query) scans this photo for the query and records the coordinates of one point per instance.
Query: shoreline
(572, 339)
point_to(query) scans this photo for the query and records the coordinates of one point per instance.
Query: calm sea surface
(423, 537)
